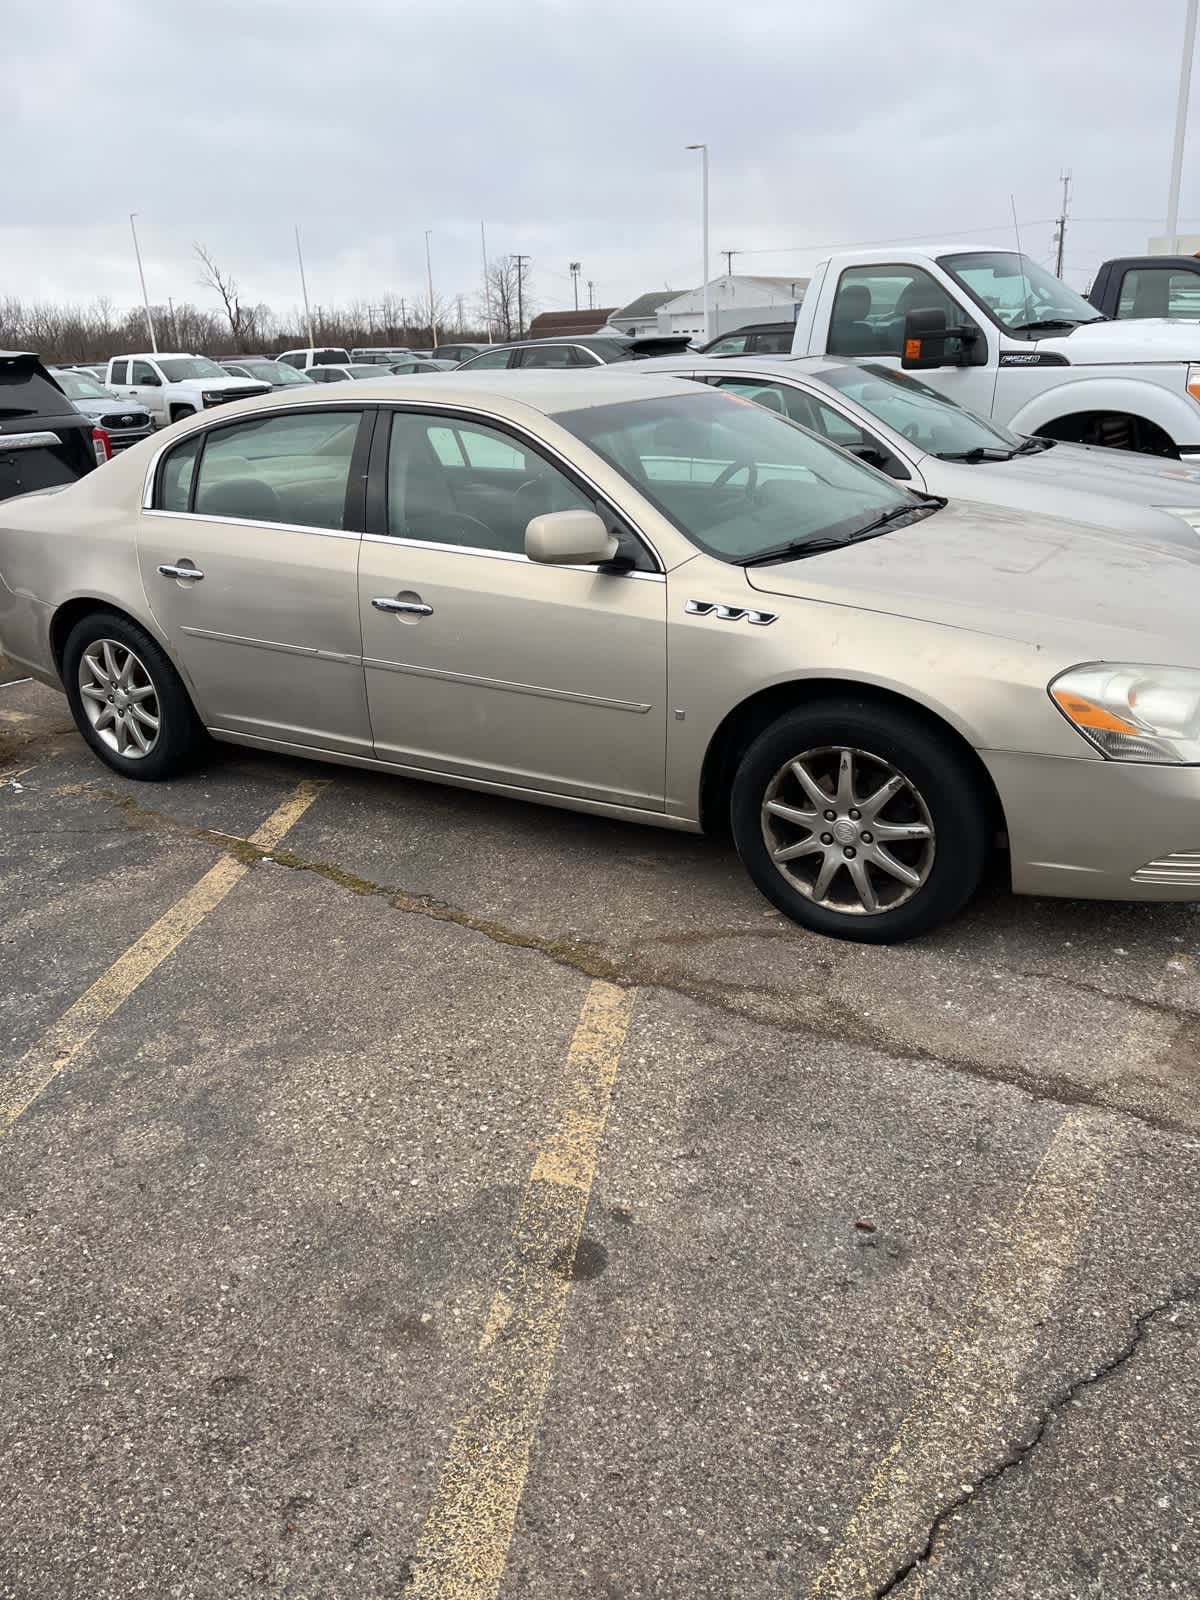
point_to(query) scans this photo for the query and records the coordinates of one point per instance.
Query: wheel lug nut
(830, 816)
(850, 852)
(826, 838)
(854, 816)
(866, 838)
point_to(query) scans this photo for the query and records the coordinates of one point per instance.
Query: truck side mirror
(926, 337)
(150, 382)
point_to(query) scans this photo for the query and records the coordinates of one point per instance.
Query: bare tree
(240, 318)
(509, 295)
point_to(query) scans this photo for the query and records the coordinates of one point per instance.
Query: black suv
(44, 441)
(571, 350)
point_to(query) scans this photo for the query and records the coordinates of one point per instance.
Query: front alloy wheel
(119, 698)
(848, 830)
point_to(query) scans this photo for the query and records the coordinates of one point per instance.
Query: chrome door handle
(412, 608)
(169, 571)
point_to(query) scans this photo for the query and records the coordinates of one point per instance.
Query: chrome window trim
(27, 441)
(447, 410)
(496, 555)
(251, 522)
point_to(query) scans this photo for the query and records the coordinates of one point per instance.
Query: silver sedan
(635, 596)
(920, 437)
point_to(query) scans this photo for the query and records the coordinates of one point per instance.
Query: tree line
(66, 333)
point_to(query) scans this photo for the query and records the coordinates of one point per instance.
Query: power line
(520, 265)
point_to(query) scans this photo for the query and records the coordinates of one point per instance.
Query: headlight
(1134, 713)
(1188, 514)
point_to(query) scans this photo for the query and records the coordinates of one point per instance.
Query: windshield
(933, 423)
(735, 479)
(78, 386)
(1017, 291)
(273, 372)
(180, 367)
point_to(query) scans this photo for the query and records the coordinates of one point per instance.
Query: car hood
(109, 406)
(1054, 584)
(1140, 339)
(220, 383)
(1085, 483)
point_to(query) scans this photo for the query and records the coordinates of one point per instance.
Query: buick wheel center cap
(844, 831)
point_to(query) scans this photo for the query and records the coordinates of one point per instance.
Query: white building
(734, 300)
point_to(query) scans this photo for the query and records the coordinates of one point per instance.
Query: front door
(483, 664)
(256, 523)
(867, 319)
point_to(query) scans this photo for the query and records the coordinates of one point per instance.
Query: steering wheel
(726, 473)
(457, 528)
(912, 430)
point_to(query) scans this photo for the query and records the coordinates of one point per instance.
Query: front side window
(735, 345)
(547, 355)
(933, 422)
(1159, 292)
(292, 358)
(1022, 296)
(491, 358)
(458, 482)
(143, 372)
(872, 303)
(292, 469)
(737, 480)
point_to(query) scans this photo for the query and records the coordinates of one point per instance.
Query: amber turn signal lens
(1086, 714)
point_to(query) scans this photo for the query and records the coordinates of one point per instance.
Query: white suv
(174, 386)
(317, 356)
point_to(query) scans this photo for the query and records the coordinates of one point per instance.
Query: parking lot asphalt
(407, 1192)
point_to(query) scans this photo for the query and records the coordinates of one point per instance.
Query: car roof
(782, 364)
(509, 392)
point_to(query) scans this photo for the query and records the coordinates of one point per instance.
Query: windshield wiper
(810, 547)
(979, 453)
(1057, 322)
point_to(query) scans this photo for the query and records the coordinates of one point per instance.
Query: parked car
(586, 350)
(920, 437)
(381, 355)
(401, 369)
(94, 369)
(354, 369)
(173, 386)
(260, 369)
(757, 339)
(719, 616)
(1147, 286)
(45, 441)
(123, 422)
(1006, 338)
(315, 356)
(456, 354)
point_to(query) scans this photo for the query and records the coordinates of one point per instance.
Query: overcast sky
(562, 124)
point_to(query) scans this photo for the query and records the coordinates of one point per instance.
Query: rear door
(44, 441)
(249, 556)
(486, 665)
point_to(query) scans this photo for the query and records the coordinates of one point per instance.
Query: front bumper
(1099, 830)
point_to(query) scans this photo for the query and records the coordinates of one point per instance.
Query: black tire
(179, 412)
(180, 737)
(942, 794)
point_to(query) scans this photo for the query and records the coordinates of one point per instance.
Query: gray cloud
(562, 124)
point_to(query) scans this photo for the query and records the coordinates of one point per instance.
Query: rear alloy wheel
(127, 699)
(859, 822)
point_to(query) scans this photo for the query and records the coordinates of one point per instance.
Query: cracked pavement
(888, 1277)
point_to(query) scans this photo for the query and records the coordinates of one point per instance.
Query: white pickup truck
(174, 386)
(1005, 338)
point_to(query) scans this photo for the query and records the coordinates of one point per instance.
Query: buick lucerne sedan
(640, 597)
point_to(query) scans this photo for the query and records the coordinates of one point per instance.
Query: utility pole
(142, 277)
(1061, 236)
(591, 294)
(703, 149)
(1181, 113)
(460, 314)
(520, 262)
(429, 277)
(729, 255)
(575, 266)
(174, 323)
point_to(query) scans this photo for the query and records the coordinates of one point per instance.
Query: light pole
(703, 149)
(142, 279)
(575, 269)
(304, 288)
(429, 277)
(1181, 112)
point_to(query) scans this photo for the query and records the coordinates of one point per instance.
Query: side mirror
(925, 338)
(150, 383)
(569, 539)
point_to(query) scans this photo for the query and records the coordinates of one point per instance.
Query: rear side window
(1159, 292)
(292, 469)
(493, 358)
(175, 485)
(120, 372)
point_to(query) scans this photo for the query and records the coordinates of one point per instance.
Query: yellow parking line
(464, 1546)
(58, 1047)
(969, 1392)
